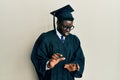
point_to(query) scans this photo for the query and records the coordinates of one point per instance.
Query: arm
(79, 59)
(76, 66)
(39, 56)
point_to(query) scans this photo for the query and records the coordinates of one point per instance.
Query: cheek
(63, 30)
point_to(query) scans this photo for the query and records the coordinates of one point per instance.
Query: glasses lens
(71, 28)
(67, 27)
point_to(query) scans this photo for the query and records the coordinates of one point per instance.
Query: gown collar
(59, 35)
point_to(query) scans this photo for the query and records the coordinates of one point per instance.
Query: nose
(68, 29)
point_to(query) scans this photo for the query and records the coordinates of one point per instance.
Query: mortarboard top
(63, 13)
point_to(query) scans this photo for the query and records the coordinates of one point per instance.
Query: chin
(66, 34)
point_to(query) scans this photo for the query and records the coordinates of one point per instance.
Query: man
(57, 54)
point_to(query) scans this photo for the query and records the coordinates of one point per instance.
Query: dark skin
(55, 59)
(64, 32)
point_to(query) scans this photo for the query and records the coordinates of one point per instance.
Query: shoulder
(46, 35)
(74, 37)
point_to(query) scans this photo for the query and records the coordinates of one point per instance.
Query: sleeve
(39, 56)
(78, 58)
(46, 66)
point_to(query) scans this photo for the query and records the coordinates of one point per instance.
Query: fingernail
(61, 55)
(64, 58)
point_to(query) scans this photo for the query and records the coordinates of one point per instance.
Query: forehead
(67, 22)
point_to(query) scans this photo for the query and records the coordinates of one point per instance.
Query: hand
(71, 67)
(56, 58)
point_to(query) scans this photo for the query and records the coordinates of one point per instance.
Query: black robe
(48, 44)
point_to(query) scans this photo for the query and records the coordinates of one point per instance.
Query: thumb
(66, 66)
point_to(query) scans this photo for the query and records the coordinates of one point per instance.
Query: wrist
(50, 64)
(78, 67)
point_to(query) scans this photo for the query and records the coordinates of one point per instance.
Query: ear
(58, 24)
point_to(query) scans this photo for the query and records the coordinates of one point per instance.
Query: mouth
(66, 33)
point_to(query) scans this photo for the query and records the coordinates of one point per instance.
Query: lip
(66, 33)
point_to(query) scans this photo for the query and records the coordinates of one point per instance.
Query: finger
(60, 55)
(61, 59)
(70, 67)
(66, 66)
(73, 67)
(55, 56)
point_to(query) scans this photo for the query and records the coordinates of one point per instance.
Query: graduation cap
(63, 13)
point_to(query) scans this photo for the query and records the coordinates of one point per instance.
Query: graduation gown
(48, 44)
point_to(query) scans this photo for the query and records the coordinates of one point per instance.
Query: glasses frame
(68, 27)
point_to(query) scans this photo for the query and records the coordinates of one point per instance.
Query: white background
(97, 24)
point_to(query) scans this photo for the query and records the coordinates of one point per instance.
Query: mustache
(67, 31)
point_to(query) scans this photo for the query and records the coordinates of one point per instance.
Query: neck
(60, 32)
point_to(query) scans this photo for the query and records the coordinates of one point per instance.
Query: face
(65, 27)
